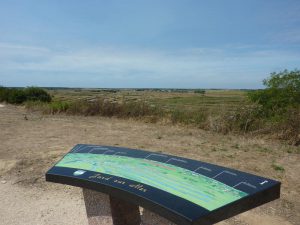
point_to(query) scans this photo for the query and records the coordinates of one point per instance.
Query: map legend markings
(201, 190)
(180, 189)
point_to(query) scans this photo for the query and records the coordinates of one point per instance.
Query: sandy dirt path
(31, 144)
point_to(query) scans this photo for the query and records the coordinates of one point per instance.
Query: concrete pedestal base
(102, 209)
(97, 207)
(150, 218)
(124, 213)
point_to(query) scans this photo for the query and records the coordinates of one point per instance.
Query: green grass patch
(277, 167)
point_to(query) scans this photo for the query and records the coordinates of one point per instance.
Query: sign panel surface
(175, 187)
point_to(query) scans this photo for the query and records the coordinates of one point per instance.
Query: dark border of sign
(204, 217)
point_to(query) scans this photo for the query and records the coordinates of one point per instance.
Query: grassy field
(224, 111)
(166, 99)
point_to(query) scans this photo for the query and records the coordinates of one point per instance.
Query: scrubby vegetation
(279, 105)
(281, 93)
(273, 111)
(99, 107)
(20, 95)
(198, 118)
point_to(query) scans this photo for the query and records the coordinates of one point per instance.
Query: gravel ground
(31, 144)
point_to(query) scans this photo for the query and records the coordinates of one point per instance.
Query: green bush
(3, 94)
(282, 91)
(37, 94)
(20, 95)
(280, 105)
(16, 96)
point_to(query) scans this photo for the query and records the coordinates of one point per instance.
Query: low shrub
(245, 119)
(251, 119)
(20, 95)
(280, 105)
(3, 94)
(288, 126)
(16, 96)
(100, 107)
(37, 94)
(282, 92)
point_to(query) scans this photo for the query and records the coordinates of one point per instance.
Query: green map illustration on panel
(201, 190)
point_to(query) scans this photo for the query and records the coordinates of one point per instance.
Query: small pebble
(3, 181)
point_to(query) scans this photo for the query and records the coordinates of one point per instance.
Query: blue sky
(147, 43)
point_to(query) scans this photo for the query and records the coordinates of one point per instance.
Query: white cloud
(9, 50)
(185, 67)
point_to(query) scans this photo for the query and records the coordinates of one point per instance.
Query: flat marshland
(32, 141)
(166, 98)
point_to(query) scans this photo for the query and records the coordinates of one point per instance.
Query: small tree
(282, 91)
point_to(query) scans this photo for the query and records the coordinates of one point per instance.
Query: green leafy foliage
(3, 94)
(37, 94)
(282, 92)
(20, 95)
(280, 105)
(16, 96)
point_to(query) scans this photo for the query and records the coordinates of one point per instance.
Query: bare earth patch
(30, 146)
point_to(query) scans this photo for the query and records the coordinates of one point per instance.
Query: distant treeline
(114, 90)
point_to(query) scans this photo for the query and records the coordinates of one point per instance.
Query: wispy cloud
(209, 67)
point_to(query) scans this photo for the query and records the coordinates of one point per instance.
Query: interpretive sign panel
(182, 190)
